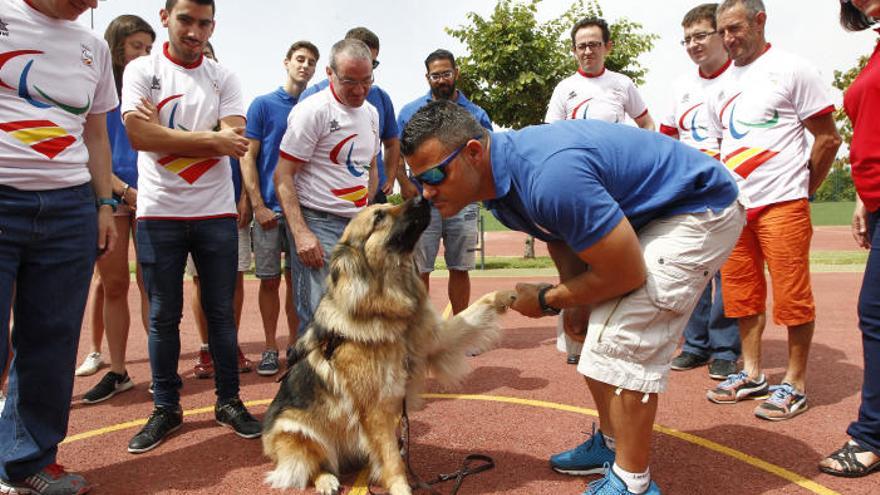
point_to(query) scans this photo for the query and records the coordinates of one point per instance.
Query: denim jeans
(308, 283)
(866, 430)
(162, 249)
(709, 333)
(48, 244)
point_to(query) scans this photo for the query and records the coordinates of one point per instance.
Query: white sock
(635, 482)
(205, 347)
(609, 442)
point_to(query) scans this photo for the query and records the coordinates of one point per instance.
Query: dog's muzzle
(413, 221)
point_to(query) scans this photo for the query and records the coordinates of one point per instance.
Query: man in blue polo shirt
(388, 131)
(636, 224)
(459, 232)
(266, 124)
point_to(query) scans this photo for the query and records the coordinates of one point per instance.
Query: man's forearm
(285, 190)
(146, 136)
(251, 179)
(100, 160)
(821, 157)
(567, 262)
(392, 158)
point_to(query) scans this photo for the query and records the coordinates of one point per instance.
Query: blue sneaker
(611, 484)
(590, 457)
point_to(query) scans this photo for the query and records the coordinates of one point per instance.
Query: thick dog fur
(374, 341)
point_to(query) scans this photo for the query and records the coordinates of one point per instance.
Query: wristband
(111, 202)
(546, 308)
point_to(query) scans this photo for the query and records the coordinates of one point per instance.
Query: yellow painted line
(359, 486)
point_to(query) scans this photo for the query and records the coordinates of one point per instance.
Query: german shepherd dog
(374, 340)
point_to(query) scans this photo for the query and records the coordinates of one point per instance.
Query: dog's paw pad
(327, 484)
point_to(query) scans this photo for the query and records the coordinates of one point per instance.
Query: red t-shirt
(862, 104)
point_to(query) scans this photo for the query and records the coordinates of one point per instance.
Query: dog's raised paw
(327, 484)
(504, 299)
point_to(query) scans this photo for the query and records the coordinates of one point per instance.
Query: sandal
(846, 458)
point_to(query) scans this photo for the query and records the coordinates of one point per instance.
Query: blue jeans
(866, 430)
(308, 283)
(48, 244)
(162, 249)
(709, 333)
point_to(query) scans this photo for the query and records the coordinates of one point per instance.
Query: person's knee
(270, 284)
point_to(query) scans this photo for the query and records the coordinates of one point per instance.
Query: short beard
(443, 92)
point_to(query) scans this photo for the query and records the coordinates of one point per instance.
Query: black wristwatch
(111, 202)
(546, 308)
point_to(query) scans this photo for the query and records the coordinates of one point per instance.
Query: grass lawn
(838, 213)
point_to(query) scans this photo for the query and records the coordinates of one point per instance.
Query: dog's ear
(349, 276)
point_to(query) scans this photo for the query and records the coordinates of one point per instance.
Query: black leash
(472, 464)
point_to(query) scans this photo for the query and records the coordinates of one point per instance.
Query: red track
(204, 458)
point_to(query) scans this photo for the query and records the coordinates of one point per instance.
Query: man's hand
(388, 188)
(244, 211)
(408, 190)
(130, 197)
(860, 225)
(147, 112)
(267, 218)
(231, 142)
(106, 232)
(308, 248)
(574, 321)
(526, 302)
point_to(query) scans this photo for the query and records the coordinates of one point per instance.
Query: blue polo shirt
(575, 180)
(123, 155)
(387, 125)
(412, 107)
(266, 123)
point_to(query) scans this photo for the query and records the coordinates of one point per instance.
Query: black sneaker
(572, 359)
(233, 414)
(162, 423)
(110, 385)
(688, 361)
(720, 369)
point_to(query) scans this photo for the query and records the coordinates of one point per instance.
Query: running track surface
(523, 404)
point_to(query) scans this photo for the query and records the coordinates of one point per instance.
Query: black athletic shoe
(233, 414)
(110, 385)
(720, 369)
(162, 423)
(687, 361)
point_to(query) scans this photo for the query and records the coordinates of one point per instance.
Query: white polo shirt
(689, 118)
(608, 96)
(336, 142)
(189, 98)
(53, 74)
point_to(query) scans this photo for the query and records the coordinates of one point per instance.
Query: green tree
(842, 80)
(514, 61)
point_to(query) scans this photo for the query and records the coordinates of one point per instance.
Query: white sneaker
(90, 365)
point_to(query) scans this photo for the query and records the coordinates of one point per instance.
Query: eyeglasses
(592, 45)
(437, 174)
(696, 38)
(439, 76)
(375, 63)
(351, 83)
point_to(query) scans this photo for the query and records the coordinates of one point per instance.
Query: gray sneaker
(52, 480)
(269, 364)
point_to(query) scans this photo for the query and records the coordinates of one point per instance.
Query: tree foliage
(842, 81)
(514, 61)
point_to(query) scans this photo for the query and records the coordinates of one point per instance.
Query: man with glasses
(386, 163)
(594, 92)
(766, 104)
(709, 335)
(326, 170)
(459, 232)
(652, 218)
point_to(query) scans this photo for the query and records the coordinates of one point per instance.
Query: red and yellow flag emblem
(189, 169)
(356, 194)
(43, 136)
(744, 161)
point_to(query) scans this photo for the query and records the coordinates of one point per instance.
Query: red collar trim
(175, 61)
(717, 72)
(581, 72)
(333, 91)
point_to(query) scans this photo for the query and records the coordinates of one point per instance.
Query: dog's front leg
(379, 427)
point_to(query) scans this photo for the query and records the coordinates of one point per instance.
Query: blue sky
(252, 36)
